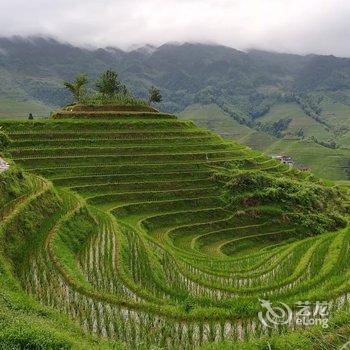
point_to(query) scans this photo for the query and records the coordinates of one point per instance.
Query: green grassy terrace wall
(132, 229)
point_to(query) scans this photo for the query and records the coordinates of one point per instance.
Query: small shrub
(99, 99)
(4, 141)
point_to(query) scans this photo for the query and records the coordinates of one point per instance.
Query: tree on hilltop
(77, 87)
(108, 84)
(154, 95)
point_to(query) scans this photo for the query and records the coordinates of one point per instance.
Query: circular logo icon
(274, 315)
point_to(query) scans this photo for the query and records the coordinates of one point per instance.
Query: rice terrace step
(147, 231)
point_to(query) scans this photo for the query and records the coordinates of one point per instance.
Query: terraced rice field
(149, 242)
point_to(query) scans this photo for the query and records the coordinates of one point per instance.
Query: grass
(213, 118)
(335, 112)
(20, 109)
(155, 233)
(299, 120)
(324, 162)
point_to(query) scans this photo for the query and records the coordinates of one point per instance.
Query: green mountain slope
(11, 108)
(212, 117)
(158, 233)
(299, 120)
(324, 161)
(34, 68)
(262, 95)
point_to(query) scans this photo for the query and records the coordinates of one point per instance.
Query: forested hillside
(274, 102)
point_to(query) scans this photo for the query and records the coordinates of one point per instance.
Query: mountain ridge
(235, 71)
(281, 95)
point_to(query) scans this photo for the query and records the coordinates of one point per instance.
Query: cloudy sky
(300, 26)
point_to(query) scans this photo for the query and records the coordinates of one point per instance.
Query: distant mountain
(34, 68)
(277, 95)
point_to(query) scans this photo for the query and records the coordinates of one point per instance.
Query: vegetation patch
(155, 233)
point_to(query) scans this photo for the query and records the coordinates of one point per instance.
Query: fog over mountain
(186, 73)
(33, 68)
(313, 26)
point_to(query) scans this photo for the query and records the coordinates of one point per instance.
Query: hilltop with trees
(108, 90)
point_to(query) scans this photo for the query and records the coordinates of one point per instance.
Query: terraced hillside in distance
(325, 162)
(149, 231)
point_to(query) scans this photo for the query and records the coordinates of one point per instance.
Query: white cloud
(319, 26)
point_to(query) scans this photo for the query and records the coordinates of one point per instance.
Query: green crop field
(138, 230)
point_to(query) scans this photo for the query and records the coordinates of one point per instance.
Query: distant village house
(285, 160)
(290, 161)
